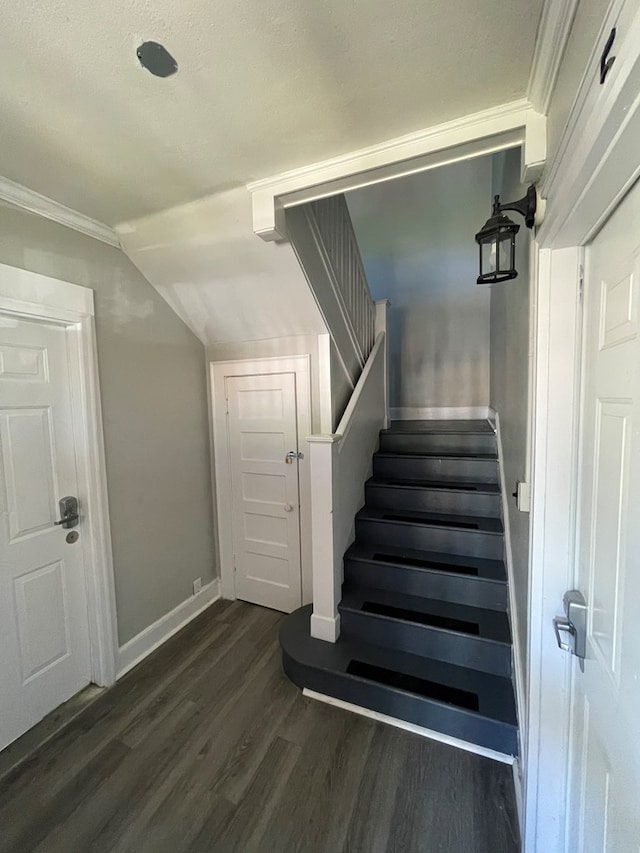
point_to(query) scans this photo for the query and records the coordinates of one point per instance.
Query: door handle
(68, 512)
(291, 455)
(571, 630)
(288, 507)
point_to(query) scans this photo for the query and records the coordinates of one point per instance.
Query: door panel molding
(37, 297)
(219, 371)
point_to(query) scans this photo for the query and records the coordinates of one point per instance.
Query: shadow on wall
(416, 240)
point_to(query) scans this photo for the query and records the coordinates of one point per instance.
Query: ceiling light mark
(156, 59)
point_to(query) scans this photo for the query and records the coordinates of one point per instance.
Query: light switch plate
(523, 500)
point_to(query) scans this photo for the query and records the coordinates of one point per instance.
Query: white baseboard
(442, 413)
(513, 612)
(410, 727)
(138, 647)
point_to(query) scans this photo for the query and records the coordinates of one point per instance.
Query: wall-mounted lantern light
(497, 238)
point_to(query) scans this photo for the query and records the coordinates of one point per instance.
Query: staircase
(424, 630)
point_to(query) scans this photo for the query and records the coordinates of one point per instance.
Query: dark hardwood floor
(207, 747)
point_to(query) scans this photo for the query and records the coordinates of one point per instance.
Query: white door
(604, 772)
(44, 638)
(265, 489)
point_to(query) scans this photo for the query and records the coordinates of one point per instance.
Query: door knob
(291, 455)
(288, 507)
(571, 631)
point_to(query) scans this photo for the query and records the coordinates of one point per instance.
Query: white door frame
(596, 165)
(37, 297)
(218, 373)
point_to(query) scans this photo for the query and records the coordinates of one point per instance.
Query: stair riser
(474, 592)
(433, 500)
(423, 537)
(446, 719)
(447, 470)
(459, 649)
(443, 443)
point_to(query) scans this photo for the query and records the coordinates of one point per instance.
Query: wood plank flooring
(207, 747)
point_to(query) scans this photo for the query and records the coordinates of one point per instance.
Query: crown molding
(467, 136)
(41, 205)
(554, 28)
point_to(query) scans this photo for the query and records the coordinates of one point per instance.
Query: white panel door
(265, 489)
(604, 777)
(44, 638)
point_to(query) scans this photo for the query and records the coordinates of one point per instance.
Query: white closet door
(265, 489)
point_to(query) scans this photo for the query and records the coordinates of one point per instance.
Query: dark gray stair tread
(495, 693)
(435, 427)
(493, 570)
(492, 625)
(432, 519)
(437, 454)
(441, 485)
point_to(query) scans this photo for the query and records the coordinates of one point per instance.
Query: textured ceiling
(263, 86)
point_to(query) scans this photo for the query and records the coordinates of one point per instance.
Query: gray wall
(416, 239)
(509, 382)
(154, 402)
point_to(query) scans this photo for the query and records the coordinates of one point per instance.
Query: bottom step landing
(462, 707)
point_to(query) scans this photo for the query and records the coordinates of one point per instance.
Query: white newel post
(325, 620)
(382, 319)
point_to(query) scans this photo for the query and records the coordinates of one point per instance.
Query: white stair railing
(334, 225)
(323, 238)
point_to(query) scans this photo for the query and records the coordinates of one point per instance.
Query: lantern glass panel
(488, 256)
(504, 251)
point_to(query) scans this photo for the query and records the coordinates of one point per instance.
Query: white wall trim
(554, 473)
(597, 158)
(32, 295)
(139, 647)
(439, 413)
(502, 757)
(26, 199)
(485, 132)
(218, 373)
(551, 40)
(518, 660)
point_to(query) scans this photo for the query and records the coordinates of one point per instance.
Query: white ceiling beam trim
(551, 40)
(26, 199)
(507, 123)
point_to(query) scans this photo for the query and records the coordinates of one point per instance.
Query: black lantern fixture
(497, 238)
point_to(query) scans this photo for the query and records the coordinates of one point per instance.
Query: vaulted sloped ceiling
(263, 86)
